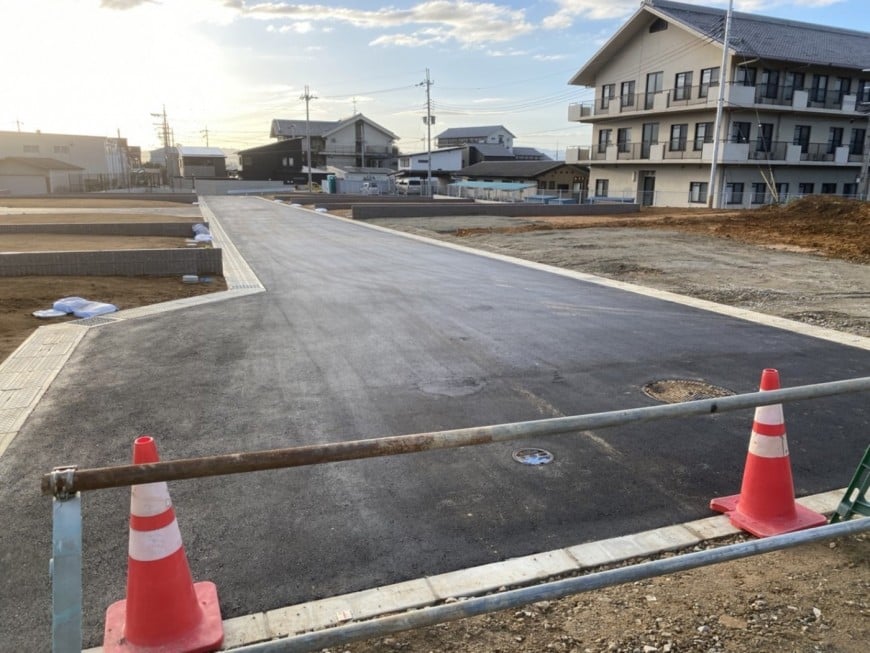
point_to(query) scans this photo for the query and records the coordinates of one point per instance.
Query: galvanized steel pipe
(548, 591)
(80, 480)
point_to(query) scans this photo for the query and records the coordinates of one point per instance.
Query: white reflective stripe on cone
(148, 546)
(769, 414)
(149, 499)
(768, 446)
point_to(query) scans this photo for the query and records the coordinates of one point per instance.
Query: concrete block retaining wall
(173, 229)
(372, 211)
(128, 262)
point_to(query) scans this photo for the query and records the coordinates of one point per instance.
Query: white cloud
(434, 21)
(549, 57)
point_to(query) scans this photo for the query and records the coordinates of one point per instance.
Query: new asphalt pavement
(363, 333)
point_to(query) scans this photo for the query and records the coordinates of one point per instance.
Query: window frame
(683, 86)
(680, 136)
(701, 194)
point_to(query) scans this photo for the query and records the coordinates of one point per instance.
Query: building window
(698, 191)
(703, 134)
(842, 86)
(604, 137)
(759, 192)
(623, 139)
(806, 188)
(863, 93)
(709, 77)
(850, 189)
(654, 84)
(769, 83)
(802, 137)
(856, 143)
(744, 76)
(626, 92)
(793, 82)
(601, 186)
(608, 92)
(765, 137)
(683, 86)
(734, 193)
(61, 149)
(820, 88)
(679, 134)
(31, 149)
(829, 189)
(740, 131)
(781, 192)
(835, 139)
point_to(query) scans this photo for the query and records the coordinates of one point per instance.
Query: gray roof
(41, 162)
(196, 151)
(472, 132)
(512, 169)
(774, 38)
(492, 149)
(752, 36)
(530, 151)
(282, 128)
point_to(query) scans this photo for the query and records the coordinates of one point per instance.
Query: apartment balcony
(778, 152)
(576, 154)
(369, 151)
(695, 98)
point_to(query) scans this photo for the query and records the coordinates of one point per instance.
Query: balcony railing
(732, 152)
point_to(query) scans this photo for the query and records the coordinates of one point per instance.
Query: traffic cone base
(800, 519)
(208, 635)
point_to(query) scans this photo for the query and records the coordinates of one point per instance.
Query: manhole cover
(533, 456)
(674, 391)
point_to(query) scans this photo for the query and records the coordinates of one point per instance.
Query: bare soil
(807, 261)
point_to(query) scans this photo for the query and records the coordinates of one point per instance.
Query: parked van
(409, 186)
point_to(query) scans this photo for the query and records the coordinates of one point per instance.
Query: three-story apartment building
(794, 115)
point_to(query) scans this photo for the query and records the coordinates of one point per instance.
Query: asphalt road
(362, 334)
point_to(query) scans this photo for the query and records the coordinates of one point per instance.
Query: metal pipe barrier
(65, 484)
(68, 480)
(473, 607)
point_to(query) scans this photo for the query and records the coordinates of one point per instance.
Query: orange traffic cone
(164, 610)
(766, 505)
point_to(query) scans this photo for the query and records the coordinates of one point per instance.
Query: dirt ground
(809, 261)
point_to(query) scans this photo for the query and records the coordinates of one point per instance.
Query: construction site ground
(808, 261)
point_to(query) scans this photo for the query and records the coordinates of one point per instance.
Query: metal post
(124, 475)
(717, 125)
(65, 569)
(308, 97)
(864, 189)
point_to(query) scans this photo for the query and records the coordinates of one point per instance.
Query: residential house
(353, 142)
(281, 160)
(545, 177)
(92, 162)
(487, 143)
(201, 161)
(791, 121)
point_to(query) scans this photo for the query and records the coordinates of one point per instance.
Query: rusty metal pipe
(80, 480)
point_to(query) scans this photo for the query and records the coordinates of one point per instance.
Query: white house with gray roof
(792, 121)
(353, 142)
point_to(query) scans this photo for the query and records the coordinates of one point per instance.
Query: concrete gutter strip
(477, 581)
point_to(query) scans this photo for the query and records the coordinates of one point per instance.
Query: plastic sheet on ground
(81, 307)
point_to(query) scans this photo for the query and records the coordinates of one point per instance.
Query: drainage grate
(674, 391)
(533, 456)
(94, 321)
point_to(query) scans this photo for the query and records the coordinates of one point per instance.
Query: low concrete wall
(372, 211)
(157, 196)
(238, 187)
(178, 229)
(125, 263)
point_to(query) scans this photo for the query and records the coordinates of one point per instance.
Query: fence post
(65, 570)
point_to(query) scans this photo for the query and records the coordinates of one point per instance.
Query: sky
(223, 69)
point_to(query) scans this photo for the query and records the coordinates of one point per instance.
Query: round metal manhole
(674, 391)
(533, 456)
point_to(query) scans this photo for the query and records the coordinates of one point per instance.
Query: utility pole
(205, 133)
(720, 102)
(18, 124)
(429, 119)
(165, 133)
(308, 97)
(864, 186)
